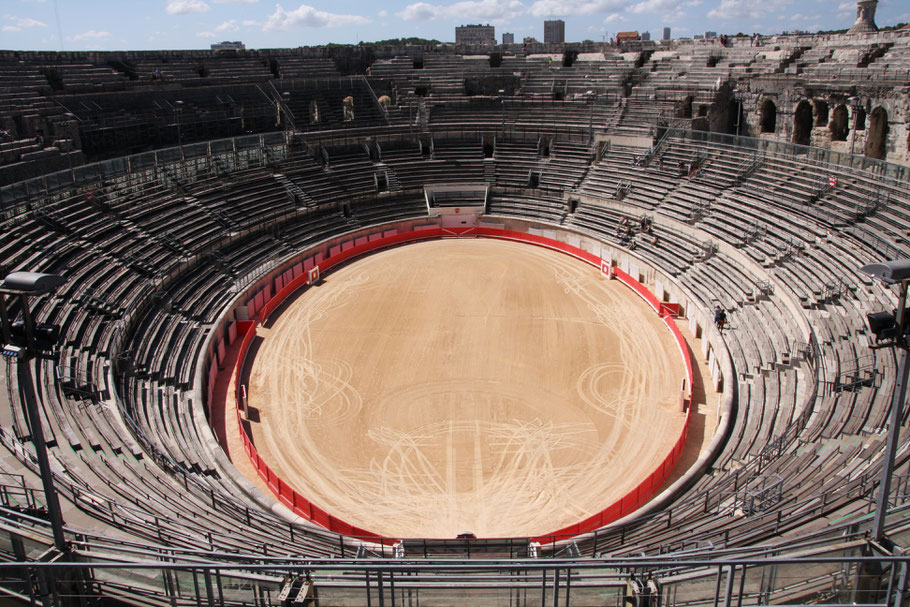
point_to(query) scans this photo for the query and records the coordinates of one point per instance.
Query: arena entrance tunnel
(275, 290)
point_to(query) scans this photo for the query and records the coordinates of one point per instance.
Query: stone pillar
(865, 17)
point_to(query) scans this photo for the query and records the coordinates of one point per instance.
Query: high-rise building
(554, 31)
(646, 36)
(710, 35)
(508, 38)
(475, 34)
(666, 33)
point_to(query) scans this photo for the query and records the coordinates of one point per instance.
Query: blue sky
(190, 24)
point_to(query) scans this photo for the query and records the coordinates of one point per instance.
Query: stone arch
(821, 112)
(735, 117)
(859, 123)
(839, 124)
(768, 117)
(802, 123)
(684, 108)
(877, 135)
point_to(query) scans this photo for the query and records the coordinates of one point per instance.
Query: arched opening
(768, 116)
(839, 125)
(735, 118)
(684, 108)
(877, 136)
(860, 122)
(559, 90)
(543, 147)
(821, 113)
(489, 146)
(802, 123)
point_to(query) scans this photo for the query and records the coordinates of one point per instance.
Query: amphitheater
(189, 213)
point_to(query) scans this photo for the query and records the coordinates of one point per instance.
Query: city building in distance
(666, 33)
(508, 38)
(229, 46)
(554, 31)
(475, 35)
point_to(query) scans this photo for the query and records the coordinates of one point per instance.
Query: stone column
(865, 17)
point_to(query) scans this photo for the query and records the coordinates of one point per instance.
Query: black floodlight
(45, 335)
(891, 326)
(23, 340)
(883, 325)
(33, 283)
(889, 272)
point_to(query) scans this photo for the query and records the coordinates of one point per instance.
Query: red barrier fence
(351, 249)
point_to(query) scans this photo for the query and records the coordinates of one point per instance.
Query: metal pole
(27, 388)
(728, 592)
(894, 425)
(897, 599)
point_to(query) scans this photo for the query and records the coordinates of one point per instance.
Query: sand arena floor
(469, 384)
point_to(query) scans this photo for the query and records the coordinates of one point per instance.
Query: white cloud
(474, 10)
(614, 18)
(235, 1)
(206, 35)
(747, 9)
(307, 16)
(383, 14)
(17, 24)
(663, 7)
(91, 35)
(228, 26)
(184, 7)
(565, 8)
(420, 11)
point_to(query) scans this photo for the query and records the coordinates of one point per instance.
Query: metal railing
(880, 170)
(839, 575)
